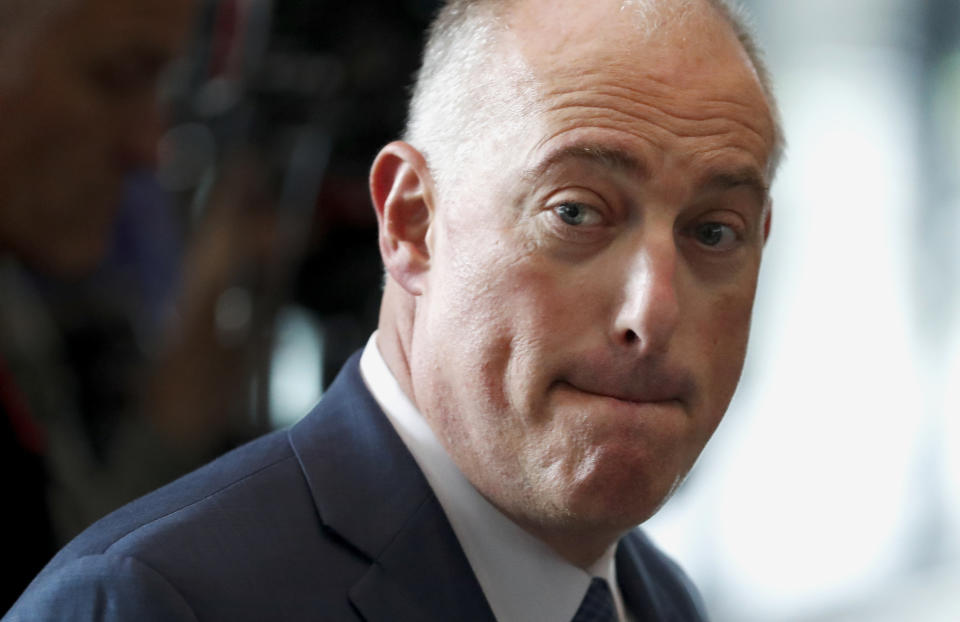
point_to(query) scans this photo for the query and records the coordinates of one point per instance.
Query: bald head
(472, 83)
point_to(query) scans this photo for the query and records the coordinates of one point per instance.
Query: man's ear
(401, 188)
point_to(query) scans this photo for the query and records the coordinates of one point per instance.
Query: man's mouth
(646, 395)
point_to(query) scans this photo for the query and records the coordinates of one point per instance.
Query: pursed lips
(649, 382)
(653, 387)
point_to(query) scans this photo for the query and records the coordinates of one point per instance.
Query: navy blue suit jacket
(330, 520)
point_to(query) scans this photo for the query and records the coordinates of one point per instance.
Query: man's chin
(621, 490)
(615, 512)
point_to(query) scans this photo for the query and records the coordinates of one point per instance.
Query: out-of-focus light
(217, 96)
(951, 442)
(947, 105)
(184, 154)
(232, 316)
(822, 507)
(946, 108)
(811, 501)
(296, 370)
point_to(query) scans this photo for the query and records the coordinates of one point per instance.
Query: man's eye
(577, 214)
(715, 235)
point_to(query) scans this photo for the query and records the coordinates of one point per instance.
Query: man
(572, 233)
(78, 88)
(78, 112)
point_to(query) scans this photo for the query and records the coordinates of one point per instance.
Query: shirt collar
(521, 577)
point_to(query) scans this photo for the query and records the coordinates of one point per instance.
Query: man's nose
(650, 309)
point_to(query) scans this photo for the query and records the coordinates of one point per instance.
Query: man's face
(584, 318)
(80, 113)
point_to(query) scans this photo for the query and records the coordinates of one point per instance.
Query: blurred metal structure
(252, 91)
(309, 90)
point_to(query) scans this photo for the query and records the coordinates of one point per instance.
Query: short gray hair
(449, 93)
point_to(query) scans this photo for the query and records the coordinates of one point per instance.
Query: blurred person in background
(572, 245)
(79, 106)
(79, 113)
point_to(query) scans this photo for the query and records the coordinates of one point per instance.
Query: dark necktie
(597, 605)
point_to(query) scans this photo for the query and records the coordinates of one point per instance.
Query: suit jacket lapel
(368, 488)
(422, 575)
(654, 588)
(634, 578)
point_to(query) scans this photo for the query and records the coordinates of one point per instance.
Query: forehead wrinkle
(674, 105)
(576, 117)
(713, 107)
(673, 92)
(593, 153)
(662, 76)
(603, 122)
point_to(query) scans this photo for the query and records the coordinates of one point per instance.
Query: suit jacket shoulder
(331, 520)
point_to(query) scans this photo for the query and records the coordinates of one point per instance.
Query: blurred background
(832, 490)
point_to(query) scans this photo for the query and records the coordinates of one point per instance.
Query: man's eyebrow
(619, 160)
(747, 177)
(614, 159)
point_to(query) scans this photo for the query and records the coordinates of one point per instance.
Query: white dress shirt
(522, 578)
